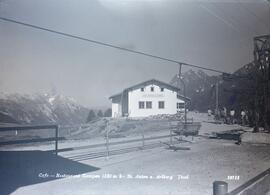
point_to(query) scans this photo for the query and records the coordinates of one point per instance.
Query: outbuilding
(148, 98)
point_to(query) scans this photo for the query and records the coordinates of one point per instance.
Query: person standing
(225, 115)
(243, 117)
(209, 112)
(232, 113)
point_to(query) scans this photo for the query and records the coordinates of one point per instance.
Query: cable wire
(109, 45)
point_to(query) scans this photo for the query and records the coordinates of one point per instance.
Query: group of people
(231, 116)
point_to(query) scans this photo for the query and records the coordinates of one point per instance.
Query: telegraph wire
(255, 15)
(211, 12)
(230, 23)
(108, 45)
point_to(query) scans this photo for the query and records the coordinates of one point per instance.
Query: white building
(151, 97)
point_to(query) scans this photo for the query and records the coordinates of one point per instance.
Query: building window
(148, 105)
(161, 89)
(161, 104)
(141, 105)
(152, 88)
(142, 89)
(180, 105)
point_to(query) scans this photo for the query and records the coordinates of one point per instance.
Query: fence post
(56, 140)
(220, 188)
(171, 136)
(143, 138)
(107, 139)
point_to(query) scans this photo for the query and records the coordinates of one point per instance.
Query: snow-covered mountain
(40, 109)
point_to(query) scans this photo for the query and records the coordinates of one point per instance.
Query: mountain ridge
(41, 109)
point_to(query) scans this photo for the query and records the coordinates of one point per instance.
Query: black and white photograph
(135, 97)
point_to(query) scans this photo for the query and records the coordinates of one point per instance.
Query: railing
(32, 127)
(107, 143)
(192, 129)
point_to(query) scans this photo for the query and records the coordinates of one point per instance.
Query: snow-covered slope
(41, 109)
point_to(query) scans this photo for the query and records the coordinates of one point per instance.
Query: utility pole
(217, 109)
(262, 63)
(121, 106)
(107, 138)
(180, 80)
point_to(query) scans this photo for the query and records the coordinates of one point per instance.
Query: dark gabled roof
(149, 82)
(115, 95)
(183, 97)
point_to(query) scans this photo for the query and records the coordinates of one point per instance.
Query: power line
(255, 15)
(240, 4)
(231, 23)
(108, 45)
(211, 12)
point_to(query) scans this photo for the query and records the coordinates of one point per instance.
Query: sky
(212, 34)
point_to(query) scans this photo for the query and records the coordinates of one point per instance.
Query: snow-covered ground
(151, 171)
(207, 161)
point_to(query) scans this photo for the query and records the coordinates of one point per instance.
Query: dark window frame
(147, 103)
(152, 89)
(161, 104)
(141, 105)
(180, 105)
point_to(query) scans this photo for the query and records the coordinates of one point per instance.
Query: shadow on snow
(22, 168)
